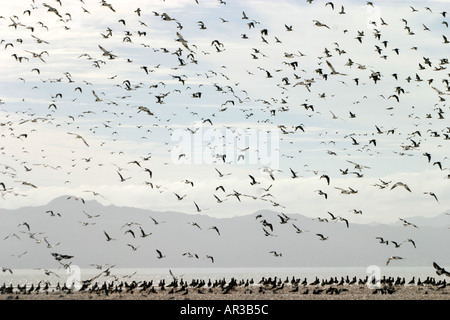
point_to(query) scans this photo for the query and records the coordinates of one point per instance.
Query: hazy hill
(241, 243)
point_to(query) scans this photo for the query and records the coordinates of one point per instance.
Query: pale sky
(128, 124)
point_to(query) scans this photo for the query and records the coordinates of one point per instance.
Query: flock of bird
(265, 286)
(97, 112)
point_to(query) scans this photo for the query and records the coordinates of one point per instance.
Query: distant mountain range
(68, 226)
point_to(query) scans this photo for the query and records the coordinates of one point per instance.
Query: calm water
(29, 276)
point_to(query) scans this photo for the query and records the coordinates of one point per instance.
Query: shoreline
(233, 291)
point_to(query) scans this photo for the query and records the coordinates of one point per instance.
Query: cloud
(118, 134)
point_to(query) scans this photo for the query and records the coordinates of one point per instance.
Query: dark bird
(412, 242)
(155, 221)
(160, 255)
(143, 234)
(396, 244)
(215, 228)
(332, 216)
(122, 179)
(253, 182)
(132, 247)
(222, 174)
(198, 208)
(149, 172)
(382, 240)
(433, 195)
(326, 177)
(322, 193)
(438, 163)
(108, 238)
(440, 271)
(321, 236)
(218, 199)
(276, 254)
(267, 224)
(195, 224)
(178, 196)
(24, 224)
(7, 270)
(293, 174)
(130, 232)
(298, 230)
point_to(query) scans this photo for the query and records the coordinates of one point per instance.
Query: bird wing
(83, 140)
(330, 66)
(103, 49)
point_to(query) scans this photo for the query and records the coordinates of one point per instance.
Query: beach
(283, 291)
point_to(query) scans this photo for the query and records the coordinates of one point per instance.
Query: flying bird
(393, 258)
(7, 270)
(122, 179)
(433, 195)
(321, 236)
(215, 228)
(406, 223)
(440, 271)
(108, 238)
(79, 137)
(326, 177)
(401, 184)
(160, 255)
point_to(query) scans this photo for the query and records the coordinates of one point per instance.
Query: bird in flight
(401, 184)
(215, 228)
(107, 53)
(48, 272)
(222, 174)
(440, 271)
(321, 236)
(108, 238)
(326, 177)
(7, 270)
(253, 182)
(333, 71)
(122, 179)
(155, 221)
(78, 137)
(433, 195)
(406, 223)
(393, 258)
(160, 255)
(198, 208)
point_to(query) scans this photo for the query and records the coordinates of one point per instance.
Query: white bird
(400, 184)
(393, 258)
(78, 137)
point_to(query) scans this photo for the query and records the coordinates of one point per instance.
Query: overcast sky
(251, 78)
